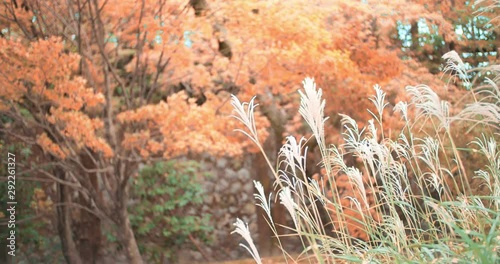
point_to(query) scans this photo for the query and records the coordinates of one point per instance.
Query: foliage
(95, 88)
(164, 216)
(468, 27)
(413, 197)
(93, 94)
(33, 226)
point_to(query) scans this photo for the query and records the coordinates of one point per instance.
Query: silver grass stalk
(435, 181)
(488, 107)
(430, 154)
(455, 64)
(286, 199)
(490, 6)
(335, 159)
(396, 170)
(320, 193)
(428, 104)
(292, 152)
(296, 193)
(489, 112)
(494, 94)
(402, 107)
(312, 108)
(372, 131)
(263, 203)
(379, 101)
(489, 148)
(485, 176)
(246, 117)
(243, 231)
(445, 217)
(355, 176)
(401, 147)
(352, 134)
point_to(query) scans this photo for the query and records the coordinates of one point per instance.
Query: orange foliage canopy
(165, 130)
(105, 85)
(137, 54)
(40, 77)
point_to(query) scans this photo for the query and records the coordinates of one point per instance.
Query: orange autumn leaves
(80, 129)
(345, 46)
(274, 46)
(181, 126)
(39, 79)
(43, 75)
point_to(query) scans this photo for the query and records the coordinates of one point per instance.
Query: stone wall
(228, 195)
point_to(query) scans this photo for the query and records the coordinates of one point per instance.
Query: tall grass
(422, 196)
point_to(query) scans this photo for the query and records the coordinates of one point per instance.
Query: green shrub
(164, 192)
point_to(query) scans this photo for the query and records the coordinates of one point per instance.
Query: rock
(221, 163)
(216, 197)
(230, 174)
(196, 255)
(248, 187)
(227, 220)
(218, 214)
(245, 219)
(222, 186)
(236, 187)
(244, 175)
(208, 186)
(208, 157)
(204, 166)
(234, 254)
(248, 209)
(244, 197)
(220, 223)
(233, 209)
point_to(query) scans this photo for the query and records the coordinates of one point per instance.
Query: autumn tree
(97, 88)
(90, 91)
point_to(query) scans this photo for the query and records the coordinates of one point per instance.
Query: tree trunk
(126, 234)
(414, 36)
(271, 146)
(64, 222)
(128, 240)
(88, 226)
(88, 234)
(267, 245)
